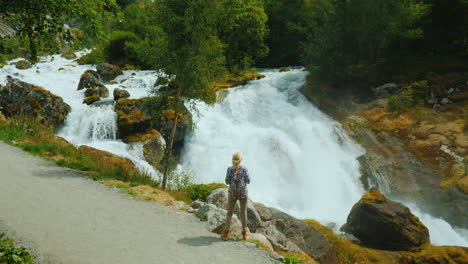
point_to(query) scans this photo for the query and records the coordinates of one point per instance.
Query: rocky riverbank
(418, 153)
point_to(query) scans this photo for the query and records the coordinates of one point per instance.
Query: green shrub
(202, 191)
(418, 92)
(10, 254)
(292, 260)
(180, 179)
(198, 192)
(94, 57)
(120, 49)
(397, 104)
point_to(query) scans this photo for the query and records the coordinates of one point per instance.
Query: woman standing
(237, 177)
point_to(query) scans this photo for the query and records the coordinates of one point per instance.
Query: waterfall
(300, 160)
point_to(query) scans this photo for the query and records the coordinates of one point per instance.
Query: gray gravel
(63, 217)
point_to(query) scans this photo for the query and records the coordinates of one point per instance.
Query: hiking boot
(225, 235)
(245, 234)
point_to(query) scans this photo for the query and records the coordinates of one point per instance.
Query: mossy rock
(161, 81)
(285, 69)
(131, 120)
(91, 99)
(23, 65)
(69, 55)
(384, 224)
(141, 137)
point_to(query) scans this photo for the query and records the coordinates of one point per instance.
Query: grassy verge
(31, 136)
(11, 254)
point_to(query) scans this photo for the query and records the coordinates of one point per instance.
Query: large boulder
(120, 93)
(20, 98)
(384, 224)
(219, 197)
(89, 79)
(304, 236)
(215, 217)
(262, 239)
(278, 240)
(6, 31)
(131, 119)
(266, 213)
(184, 126)
(100, 91)
(154, 149)
(108, 71)
(23, 65)
(113, 162)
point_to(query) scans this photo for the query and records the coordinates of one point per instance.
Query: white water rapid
(300, 160)
(95, 125)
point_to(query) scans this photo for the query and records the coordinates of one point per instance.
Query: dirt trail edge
(64, 218)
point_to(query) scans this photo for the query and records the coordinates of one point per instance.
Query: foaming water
(94, 125)
(441, 233)
(300, 160)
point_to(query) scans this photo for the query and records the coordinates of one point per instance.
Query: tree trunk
(171, 142)
(32, 48)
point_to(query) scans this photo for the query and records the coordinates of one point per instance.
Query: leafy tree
(40, 21)
(359, 31)
(289, 23)
(243, 31)
(194, 52)
(446, 30)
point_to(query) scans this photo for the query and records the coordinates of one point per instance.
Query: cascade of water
(300, 160)
(94, 125)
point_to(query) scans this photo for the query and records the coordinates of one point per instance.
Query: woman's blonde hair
(236, 159)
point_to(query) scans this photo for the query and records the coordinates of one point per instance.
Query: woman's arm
(228, 176)
(246, 176)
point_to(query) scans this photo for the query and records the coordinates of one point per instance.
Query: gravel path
(64, 218)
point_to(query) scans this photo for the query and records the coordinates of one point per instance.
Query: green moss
(91, 99)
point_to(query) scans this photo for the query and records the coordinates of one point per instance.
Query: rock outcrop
(6, 31)
(219, 197)
(100, 91)
(304, 236)
(89, 79)
(120, 93)
(154, 149)
(23, 65)
(91, 99)
(215, 217)
(131, 119)
(283, 231)
(384, 224)
(108, 71)
(21, 98)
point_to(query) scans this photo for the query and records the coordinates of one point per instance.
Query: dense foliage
(40, 22)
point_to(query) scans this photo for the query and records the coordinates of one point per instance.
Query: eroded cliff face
(416, 155)
(419, 155)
